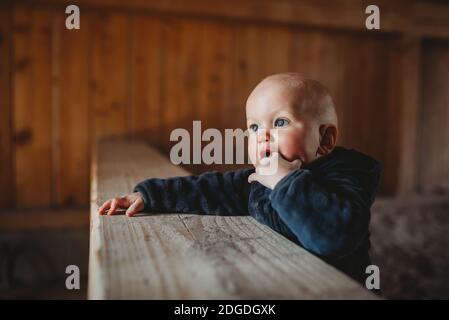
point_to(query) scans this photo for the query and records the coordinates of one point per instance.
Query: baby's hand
(132, 202)
(284, 167)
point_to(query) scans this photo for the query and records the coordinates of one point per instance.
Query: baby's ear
(328, 133)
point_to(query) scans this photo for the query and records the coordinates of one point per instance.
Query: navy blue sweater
(323, 207)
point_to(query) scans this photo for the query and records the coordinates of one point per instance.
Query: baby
(320, 195)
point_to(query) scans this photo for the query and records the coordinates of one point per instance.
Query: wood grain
(6, 143)
(33, 113)
(44, 219)
(146, 76)
(249, 61)
(109, 76)
(155, 67)
(215, 84)
(354, 67)
(174, 256)
(403, 124)
(416, 17)
(433, 117)
(72, 114)
(181, 72)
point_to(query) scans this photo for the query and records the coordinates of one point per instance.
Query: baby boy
(320, 195)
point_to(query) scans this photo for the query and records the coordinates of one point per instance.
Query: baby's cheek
(291, 146)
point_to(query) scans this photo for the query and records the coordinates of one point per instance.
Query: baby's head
(300, 109)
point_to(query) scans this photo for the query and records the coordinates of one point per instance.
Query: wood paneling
(146, 73)
(181, 71)
(215, 80)
(71, 126)
(33, 114)
(248, 51)
(146, 79)
(433, 156)
(110, 75)
(33, 220)
(418, 17)
(364, 102)
(6, 145)
(354, 68)
(403, 106)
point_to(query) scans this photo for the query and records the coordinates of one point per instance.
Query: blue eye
(280, 123)
(254, 127)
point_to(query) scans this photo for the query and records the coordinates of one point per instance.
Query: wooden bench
(184, 256)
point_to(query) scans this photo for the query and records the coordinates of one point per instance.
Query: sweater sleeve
(329, 218)
(211, 193)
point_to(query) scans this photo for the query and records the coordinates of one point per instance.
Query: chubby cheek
(292, 145)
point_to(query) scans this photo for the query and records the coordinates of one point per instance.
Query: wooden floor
(179, 256)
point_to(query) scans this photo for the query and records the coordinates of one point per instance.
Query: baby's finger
(104, 207)
(264, 162)
(276, 157)
(253, 177)
(114, 206)
(133, 209)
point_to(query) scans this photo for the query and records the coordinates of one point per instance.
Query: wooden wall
(433, 165)
(144, 72)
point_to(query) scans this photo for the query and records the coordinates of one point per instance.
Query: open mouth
(265, 153)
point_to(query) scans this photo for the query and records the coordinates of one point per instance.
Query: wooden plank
(6, 155)
(400, 126)
(249, 63)
(146, 69)
(355, 68)
(216, 77)
(109, 77)
(71, 123)
(215, 86)
(32, 40)
(430, 19)
(364, 101)
(181, 72)
(43, 219)
(177, 256)
(278, 60)
(433, 158)
(406, 65)
(416, 17)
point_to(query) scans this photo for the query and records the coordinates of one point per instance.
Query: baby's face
(275, 123)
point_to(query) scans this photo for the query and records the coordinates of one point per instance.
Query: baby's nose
(263, 136)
